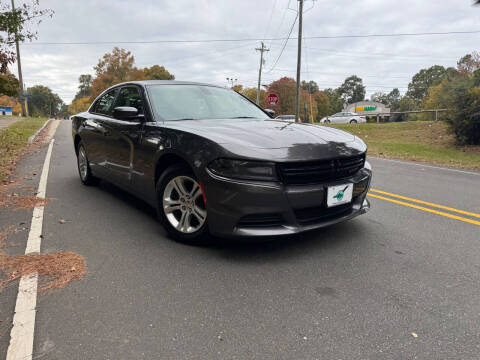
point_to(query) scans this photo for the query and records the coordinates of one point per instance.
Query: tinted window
(104, 104)
(130, 96)
(175, 102)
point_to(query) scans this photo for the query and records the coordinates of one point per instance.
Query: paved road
(4, 122)
(356, 290)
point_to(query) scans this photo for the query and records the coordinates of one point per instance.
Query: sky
(382, 62)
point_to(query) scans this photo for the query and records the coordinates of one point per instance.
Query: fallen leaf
(415, 335)
(62, 221)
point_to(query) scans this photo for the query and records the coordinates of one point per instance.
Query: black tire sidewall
(199, 237)
(89, 179)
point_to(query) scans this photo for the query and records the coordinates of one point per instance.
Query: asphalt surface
(356, 290)
(4, 122)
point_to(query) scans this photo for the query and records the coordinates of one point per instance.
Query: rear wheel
(84, 167)
(353, 121)
(181, 205)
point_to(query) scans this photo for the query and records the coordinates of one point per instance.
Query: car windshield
(195, 102)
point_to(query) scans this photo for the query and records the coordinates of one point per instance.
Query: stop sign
(272, 99)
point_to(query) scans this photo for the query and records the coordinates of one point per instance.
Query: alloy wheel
(82, 163)
(183, 204)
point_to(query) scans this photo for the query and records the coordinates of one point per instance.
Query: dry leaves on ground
(56, 270)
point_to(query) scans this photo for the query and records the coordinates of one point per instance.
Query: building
(5, 110)
(370, 109)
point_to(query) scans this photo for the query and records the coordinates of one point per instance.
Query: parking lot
(400, 282)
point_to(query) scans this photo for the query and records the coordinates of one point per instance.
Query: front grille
(260, 220)
(317, 214)
(314, 172)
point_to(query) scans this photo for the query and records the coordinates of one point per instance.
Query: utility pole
(20, 77)
(299, 59)
(262, 49)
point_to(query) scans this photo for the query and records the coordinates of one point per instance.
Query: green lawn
(423, 141)
(13, 142)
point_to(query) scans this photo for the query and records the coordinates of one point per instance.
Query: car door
(94, 131)
(123, 136)
(335, 118)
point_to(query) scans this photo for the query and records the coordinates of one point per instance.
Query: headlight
(245, 170)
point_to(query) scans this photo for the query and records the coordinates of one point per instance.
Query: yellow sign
(365, 108)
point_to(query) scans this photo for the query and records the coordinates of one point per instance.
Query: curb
(32, 138)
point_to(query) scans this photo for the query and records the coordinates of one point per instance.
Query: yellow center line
(427, 203)
(427, 209)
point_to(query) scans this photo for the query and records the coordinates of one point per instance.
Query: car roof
(165, 82)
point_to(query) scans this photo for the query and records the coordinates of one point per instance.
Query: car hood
(273, 139)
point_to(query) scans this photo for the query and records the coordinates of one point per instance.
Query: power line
(248, 39)
(270, 18)
(284, 44)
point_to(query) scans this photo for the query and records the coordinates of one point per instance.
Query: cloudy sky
(382, 62)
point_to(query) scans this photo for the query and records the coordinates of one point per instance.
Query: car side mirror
(270, 112)
(126, 113)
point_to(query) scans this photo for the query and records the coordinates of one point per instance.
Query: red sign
(272, 99)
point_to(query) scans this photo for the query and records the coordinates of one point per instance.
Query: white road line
(424, 165)
(21, 335)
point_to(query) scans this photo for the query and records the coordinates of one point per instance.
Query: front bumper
(256, 209)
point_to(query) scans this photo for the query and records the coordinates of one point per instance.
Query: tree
(157, 72)
(421, 81)
(310, 86)
(79, 105)
(85, 86)
(251, 93)
(335, 101)
(391, 99)
(11, 101)
(285, 88)
(469, 63)
(461, 96)
(352, 89)
(323, 104)
(17, 26)
(118, 66)
(43, 102)
(380, 97)
(9, 84)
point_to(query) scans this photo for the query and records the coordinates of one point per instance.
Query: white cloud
(383, 63)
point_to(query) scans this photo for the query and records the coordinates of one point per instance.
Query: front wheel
(353, 121)
(181, 205)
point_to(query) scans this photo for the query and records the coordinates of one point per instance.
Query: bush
(464, 96)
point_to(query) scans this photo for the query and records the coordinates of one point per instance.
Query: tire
(327, 121)
(353, 121)
(181, 207)
(83, 167)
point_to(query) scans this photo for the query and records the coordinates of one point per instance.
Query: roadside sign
(272, 99)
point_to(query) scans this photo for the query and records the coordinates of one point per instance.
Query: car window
(104, 104)
(130, 96)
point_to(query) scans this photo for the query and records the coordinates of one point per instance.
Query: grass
(424, 141)
(13, 142)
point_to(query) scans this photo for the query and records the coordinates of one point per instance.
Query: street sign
(272, 99)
